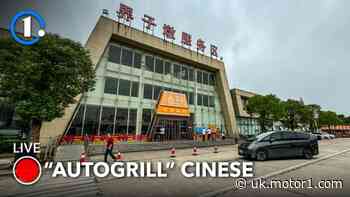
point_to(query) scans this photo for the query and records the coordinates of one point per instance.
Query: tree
(268, 109)
(344, 119)
(309, 116)
(328, 118)
(292, 113)
(43, 79)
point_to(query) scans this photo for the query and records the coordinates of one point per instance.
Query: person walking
(109, 147)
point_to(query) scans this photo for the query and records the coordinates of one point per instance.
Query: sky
(291, 48)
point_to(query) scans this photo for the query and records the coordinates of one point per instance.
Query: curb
(167, 148)
(269, 175)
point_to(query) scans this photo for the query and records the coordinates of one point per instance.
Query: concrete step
(151, 146)
(5, 164)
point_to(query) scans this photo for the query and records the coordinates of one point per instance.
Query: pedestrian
(109, 147)
(86, 143)
(162, 133)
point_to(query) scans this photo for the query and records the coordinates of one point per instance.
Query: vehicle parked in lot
(279, 144)
(328, 136)
(324, 135)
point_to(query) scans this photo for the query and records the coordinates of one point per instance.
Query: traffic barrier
(119, 156)
(216, 149)
(195, 151)
(82, 157)
(173, 152)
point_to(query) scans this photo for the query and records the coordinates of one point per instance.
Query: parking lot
(176, 185)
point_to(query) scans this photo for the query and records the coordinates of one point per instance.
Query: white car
(325, 135)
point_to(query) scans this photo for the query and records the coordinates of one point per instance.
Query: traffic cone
(172, 152)
(216, 150)
(119, 156)
(194, 151)
(82, 157)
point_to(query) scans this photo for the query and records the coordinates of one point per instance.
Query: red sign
(213, 50)
(168, 32)
(200, 45)
(125, 12)
(186, 39)
(149, 22)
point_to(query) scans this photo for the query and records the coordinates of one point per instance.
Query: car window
(297, 136)
(265, 139)
(276, 136)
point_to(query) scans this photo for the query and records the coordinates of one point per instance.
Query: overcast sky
(291, 48)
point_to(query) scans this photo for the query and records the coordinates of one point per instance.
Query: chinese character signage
(213, 51)
(149, 22)
(186, 39)
(200, 45)
(125, 13)
(168, 32)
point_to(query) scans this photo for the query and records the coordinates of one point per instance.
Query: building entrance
(172, 128)
(172, 120)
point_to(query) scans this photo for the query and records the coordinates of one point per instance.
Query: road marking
(272, 174)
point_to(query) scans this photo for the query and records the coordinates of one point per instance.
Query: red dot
(27, 170)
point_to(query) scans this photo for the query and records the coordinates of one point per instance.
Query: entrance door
(172, 128)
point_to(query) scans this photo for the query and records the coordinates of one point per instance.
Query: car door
(279, 146)
(295, 142)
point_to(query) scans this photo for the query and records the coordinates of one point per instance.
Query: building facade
(132, 68)
(247, 124)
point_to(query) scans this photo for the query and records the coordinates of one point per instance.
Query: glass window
(149, 63)
(190, 74)
(199, 99)
(132, 121)
(157, 90)
(127, 57)
(177, 71)
(159, 66)
(205, 78)
(190, 98)
(124, 87)
(205, 100)
(77, 124)
(114, 54)
(276, 136)
(147, 91)
(135, 89)
(107, 120)
(137, 60)
(199, 76)
(167, 68)
(212, 79)
(211, 101)
(92, 117)
(184, 73)
(146, 120)
(121, 123)
(111, 85)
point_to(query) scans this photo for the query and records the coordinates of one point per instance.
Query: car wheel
(307, 153)
(261, 155)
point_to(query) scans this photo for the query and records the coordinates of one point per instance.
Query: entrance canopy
(172, 104)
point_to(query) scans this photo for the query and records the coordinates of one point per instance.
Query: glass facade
(128, 83)
(248, 126)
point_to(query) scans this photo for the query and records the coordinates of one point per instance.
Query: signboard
(126, 14)
(172, 104)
